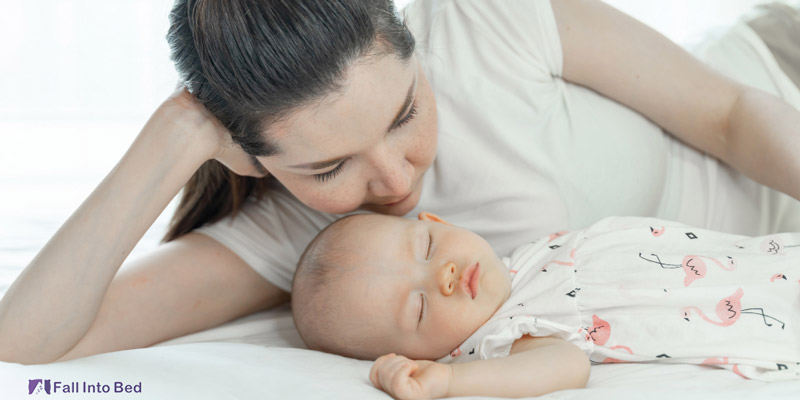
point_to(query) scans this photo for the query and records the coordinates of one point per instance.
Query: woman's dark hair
(252, 62)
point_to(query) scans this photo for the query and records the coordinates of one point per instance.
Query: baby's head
(372, 284)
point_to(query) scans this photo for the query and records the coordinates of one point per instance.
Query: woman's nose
(447, 279)
(393, 176)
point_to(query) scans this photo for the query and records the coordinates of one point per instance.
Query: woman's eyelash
(324, 177)
(411, 113)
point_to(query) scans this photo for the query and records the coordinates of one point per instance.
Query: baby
(623, 290)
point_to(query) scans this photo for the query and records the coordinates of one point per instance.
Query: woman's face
(366, 146)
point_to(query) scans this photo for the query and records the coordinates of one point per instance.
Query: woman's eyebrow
(409, 97)
(400, 113)
(319, 164)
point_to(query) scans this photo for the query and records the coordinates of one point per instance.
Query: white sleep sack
(647, 290)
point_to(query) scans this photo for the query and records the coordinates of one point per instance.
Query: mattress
(262, 356)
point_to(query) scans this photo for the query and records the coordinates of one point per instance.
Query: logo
(36, 386)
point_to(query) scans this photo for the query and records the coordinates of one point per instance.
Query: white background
(78, 78)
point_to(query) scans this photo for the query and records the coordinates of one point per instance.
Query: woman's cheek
(429, 134)
(337, 199)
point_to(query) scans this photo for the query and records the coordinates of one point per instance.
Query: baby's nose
(447, 279)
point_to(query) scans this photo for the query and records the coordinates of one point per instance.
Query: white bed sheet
(258, 357)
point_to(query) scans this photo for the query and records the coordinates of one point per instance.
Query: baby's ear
(426, 216)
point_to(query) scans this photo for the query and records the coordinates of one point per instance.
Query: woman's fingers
(235, 159)
(187, 118)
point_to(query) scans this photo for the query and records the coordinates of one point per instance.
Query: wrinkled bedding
(258, 357)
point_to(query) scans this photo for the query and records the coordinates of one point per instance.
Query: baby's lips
(467, 282)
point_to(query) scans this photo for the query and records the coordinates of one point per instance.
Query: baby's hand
(408, 379)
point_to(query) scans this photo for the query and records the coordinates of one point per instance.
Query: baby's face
(423, 287)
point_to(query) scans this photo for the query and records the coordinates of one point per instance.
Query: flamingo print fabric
(630, 289)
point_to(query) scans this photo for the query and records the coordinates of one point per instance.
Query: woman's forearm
(764, 141)
(56, 298)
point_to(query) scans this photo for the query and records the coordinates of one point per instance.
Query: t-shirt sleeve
(270, 234)
(489, 36)
(528, 25)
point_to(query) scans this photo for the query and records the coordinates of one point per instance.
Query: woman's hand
(196, 128)
(408, 379)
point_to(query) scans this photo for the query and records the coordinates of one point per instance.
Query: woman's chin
(398, 209)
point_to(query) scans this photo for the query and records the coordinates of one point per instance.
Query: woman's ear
(426, 216)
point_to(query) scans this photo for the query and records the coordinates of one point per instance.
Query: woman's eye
(324, 177)
(411, 113)
(430, 246)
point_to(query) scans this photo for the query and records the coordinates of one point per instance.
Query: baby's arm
(534, 367)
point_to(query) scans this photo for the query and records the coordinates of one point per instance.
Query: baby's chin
(433, 356)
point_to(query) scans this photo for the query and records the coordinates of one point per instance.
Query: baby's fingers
(376, 368)
(397, 380)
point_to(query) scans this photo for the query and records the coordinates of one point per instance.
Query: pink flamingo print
(657, 231)
(564, 263)
(553, 236)
(776, 277)
(774, 245)
(585, 333)
(728, 311)
(693, 266)
(723, 361)
(611, 360)
(601, 331)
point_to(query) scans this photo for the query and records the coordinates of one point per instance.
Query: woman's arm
(534, 367)
(184, 286)
(56, 299)
(625, 60)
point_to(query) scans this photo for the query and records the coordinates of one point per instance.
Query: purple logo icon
(35, 386)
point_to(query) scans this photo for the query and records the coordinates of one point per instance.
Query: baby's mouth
(469, 280)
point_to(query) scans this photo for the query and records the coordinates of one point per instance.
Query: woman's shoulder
(275, 216)
(269, 233)
(509, 40)
(499, 17)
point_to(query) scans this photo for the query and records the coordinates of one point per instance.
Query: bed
(261, 356)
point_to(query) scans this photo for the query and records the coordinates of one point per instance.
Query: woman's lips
(469, 280)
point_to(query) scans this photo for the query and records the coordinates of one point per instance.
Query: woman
(324, 108)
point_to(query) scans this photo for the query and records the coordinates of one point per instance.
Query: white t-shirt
(521, 151)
